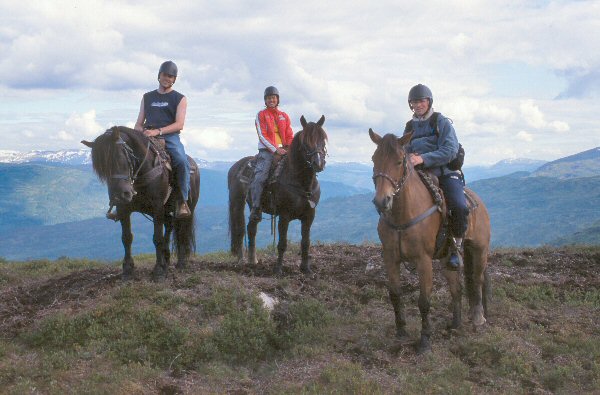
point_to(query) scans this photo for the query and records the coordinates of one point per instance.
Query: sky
(519, 79)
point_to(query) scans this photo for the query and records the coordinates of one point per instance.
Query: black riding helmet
(420, 91)
(168, 67)
(271, 90)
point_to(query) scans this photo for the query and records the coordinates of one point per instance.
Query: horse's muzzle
(383, 205)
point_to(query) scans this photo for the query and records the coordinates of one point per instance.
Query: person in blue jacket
(434, 149)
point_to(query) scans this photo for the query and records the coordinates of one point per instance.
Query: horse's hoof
(424, 346)
(306, 270)
(277, 270)
(127, 276)
(180, 266)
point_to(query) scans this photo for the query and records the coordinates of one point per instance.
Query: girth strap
(413, 221)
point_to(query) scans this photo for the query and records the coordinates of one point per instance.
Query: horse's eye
(399, 163)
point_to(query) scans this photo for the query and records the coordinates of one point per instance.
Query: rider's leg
(261, 172)
(181, 167)
(452, 186)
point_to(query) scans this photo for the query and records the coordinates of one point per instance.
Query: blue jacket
(436, 151)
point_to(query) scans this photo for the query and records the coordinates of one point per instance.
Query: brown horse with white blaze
(409, 222)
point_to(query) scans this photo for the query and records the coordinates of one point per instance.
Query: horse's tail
(237, 200)
(185, 236)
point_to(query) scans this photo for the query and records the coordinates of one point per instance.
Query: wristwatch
(160, 131)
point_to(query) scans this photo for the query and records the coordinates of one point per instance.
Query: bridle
(308, 154)
(132, 160)
(398, 185)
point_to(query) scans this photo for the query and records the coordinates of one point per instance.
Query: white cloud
(83, 125)
(525, 136)
(352, 61)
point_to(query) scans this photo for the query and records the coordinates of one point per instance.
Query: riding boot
(183, 211)
(455, 260)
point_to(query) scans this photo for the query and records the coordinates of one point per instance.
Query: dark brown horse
(408, 226)
(294, 195)
(139, 182)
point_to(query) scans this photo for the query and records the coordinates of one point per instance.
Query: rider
(274, 136)
(162, 115)
(434, 151)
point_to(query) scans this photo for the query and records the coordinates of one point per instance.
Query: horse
(294, 195)
(138, 181)
(410, 219)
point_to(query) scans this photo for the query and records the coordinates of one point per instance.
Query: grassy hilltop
(72, 326)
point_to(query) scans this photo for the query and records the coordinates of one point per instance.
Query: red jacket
(265, 128)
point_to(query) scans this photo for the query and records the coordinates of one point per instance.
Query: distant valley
(52, 208)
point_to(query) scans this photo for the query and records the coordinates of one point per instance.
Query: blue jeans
(452, 186)
(180, 163)
(261, 173)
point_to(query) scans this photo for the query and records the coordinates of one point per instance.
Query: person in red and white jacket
(275, 134)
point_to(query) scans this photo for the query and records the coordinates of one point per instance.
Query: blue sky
(518, 79)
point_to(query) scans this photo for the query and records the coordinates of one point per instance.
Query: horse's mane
(310, 136)
(104, 149)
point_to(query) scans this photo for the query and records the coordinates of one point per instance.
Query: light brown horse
(408, 226)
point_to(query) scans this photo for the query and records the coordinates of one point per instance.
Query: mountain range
(52, 205)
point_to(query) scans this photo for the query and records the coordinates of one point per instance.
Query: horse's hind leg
(475, 265)
(160, 268)
(127, 239)
(455, 285)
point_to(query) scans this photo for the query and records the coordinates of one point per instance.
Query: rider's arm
(139, 124)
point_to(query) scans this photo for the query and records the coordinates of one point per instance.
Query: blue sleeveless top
(160, 108)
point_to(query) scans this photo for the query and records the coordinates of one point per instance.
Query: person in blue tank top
(162, 115)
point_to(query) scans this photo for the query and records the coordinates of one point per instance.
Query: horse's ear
(87, 143)
(321, 120)
(374, 136)
(303, 121)
(405, 139)
(116, 133)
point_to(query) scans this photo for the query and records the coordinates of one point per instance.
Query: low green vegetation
(72, 326)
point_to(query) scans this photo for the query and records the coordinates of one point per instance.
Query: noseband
(308, 154)
(397, 185)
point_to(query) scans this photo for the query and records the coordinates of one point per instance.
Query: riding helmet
(168, 67)
(420, 91)
(271, 90)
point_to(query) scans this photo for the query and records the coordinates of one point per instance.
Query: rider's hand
(415, 159)
(281, 151)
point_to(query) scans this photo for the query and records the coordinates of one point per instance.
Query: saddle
(443, 240)
(246, 173)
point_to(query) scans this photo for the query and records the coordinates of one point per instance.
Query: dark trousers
(261, 173)
(452, 186)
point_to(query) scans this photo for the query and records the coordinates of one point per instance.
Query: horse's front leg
(305, 243)
(160, 268)
(391, 263)
(282, 229)
(425, 270)
(251, 231)
(455, 285)
(127, 239)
